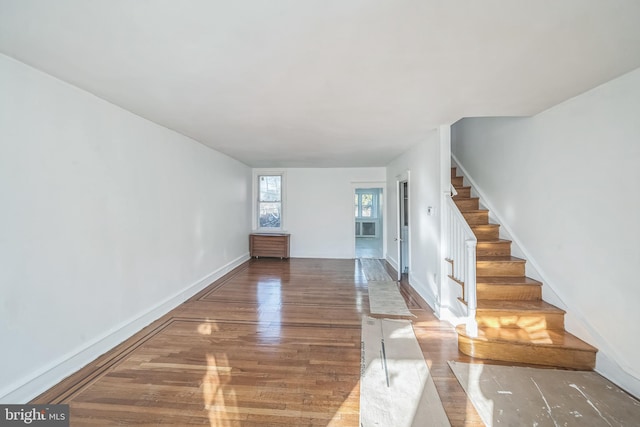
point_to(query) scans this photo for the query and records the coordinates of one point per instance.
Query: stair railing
(460, 251)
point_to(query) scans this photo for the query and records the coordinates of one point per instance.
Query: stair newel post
(470, 291)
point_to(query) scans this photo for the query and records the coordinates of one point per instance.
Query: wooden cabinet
(269, 245)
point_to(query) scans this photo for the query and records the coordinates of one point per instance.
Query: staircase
(514, 323)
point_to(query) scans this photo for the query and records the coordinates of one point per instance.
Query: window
(366, 210)
(366, 205)
(269, 201)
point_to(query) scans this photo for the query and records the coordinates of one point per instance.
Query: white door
(404, 233)
(398, 238)
(402, 228)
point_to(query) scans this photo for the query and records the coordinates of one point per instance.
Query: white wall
(423, 163)
(319, 209)
(566, 183)
(106, 222)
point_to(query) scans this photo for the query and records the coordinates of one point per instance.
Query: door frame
(400, 180)
(382, 185)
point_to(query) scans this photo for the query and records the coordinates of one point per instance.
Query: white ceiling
(303, 83)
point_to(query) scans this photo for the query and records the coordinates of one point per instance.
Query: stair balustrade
(507, 319)
(460, 251)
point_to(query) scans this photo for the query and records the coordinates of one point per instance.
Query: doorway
(402, 231)
(368, 223)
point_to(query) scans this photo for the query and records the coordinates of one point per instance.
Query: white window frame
(257, 173)
(374, 204)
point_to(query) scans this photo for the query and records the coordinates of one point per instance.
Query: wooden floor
(275, 342)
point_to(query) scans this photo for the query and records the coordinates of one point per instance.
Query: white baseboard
(447, 314)
(27, 388)
(393, 262)
(616, 374)
(420, 289)
(452, 311)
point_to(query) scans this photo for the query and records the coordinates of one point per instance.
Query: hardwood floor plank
(274, 342)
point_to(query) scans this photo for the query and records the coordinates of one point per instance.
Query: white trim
(411, 195)
(375, 206)
(32, 385)
(420, 288)
(447, 314)
(382, 186)
(400, 178)
(392, 261)
(617, 374)
(254, 198)
(398, 228)
(453, 311)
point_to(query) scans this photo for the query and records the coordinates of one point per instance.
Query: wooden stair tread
(508, 290)
(457, 181)
(545, 338)
(496, 240)
(488, 226)
(463, 202)
(499, 259)
(485, 232)
(514, 323)
(463, 193)
(493, 247)
(517, 305)
(501, 265)
(499, 280)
